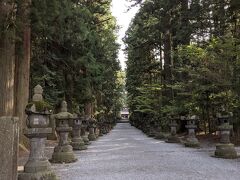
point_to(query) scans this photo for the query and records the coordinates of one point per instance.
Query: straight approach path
(127, 154)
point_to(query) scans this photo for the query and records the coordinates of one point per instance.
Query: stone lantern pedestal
(97, 131)
(191, 140)
(104, 128)
(37, 166)
(84, 135)
(173, 138)
(151, 129)
(77, 141)
(225, 149)
(100, 124)
(92, 125)
(63, 152)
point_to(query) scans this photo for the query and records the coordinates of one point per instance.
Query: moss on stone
(64, 115)
(41, 106)
(46, 175)
(192, 144)
(226, 151)
(63, 157)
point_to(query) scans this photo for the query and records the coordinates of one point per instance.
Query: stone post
(104, 127)
(151, 132)
(37, 166)
(92, 125)
(100, 125)
(84, 129)
(173, 138)
(63, 152)
(225, 149)
(96, 131)
(77, 141)
(191, 140)
(9, 136)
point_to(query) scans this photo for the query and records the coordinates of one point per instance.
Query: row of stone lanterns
(38, 166)
(224, 149)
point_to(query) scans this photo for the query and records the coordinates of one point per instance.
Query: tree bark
(7, 58)
(22, 68)
(69, 90)
(167, 57)
(88, 109)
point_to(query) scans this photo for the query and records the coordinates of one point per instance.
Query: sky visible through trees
(120, 9)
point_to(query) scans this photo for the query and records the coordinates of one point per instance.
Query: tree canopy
(183, 58)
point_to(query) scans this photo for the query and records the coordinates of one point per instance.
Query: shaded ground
(127, 154)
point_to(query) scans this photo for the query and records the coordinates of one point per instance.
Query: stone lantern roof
(63, 114)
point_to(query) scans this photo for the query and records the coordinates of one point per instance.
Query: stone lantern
(92, 126)
(151, 129)
(191, 140)
(63, 152)
(37, 166)
(97, 129)
(101, 125)
(77, 141)
(84, 135)
(225, 149)
(104, 127)
(173, 138)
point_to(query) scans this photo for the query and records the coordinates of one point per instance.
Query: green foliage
(191, 50)
(75, 53)
(41, 106)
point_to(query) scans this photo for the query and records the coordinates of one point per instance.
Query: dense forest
(184, 59)
(68, 47)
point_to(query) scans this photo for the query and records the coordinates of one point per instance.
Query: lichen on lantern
(38, 104)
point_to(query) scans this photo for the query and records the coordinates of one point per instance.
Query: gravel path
(127, 154)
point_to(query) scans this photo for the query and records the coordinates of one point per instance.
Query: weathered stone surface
(77, 141)
(225, 149)
(78, 144)
(9, 135)
(173, 138)
(63, 152)
(84, 133)
(92, 125)
(91, 135)
(45, 175)
(85, 137)
(151, 132)
(191, 140)
(37, 166)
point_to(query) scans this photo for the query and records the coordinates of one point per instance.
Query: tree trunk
(69, 90)
(186, 30)
(22, 69)
(88, 109)
(7, 59)
(167, 57)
